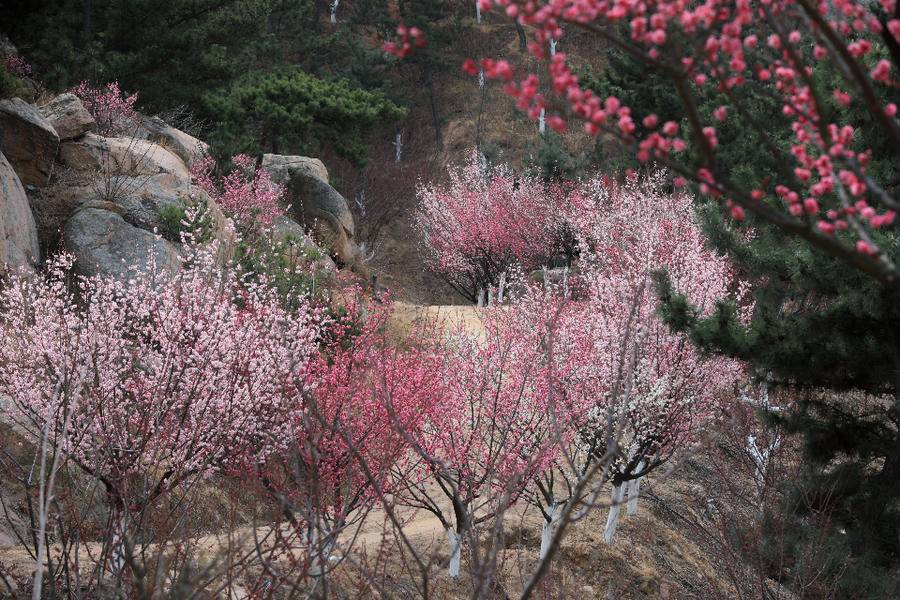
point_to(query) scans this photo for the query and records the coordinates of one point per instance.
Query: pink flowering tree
(16, 65)
(111, 108)
(347, 449)
(483, 436)
(829, 69)
(671, 390)
(152, 385)
(246, 193)
(618, 386)
(478, 225)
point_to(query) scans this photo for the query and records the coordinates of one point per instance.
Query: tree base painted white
(634, 490)
(549, 527)
(618, 493)
(455, 553)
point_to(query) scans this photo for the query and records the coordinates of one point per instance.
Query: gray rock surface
(29, 142)
(287, 231)
(68, 116)
(282, 167)
(120, 156)
(185, 146)
(18, 235)
(314, 202)
(104, 244)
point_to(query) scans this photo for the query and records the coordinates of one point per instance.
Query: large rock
(68, 116)
(185, 146)
(282, 167)
(29, 142)
(120, 156)
(18, 235)
(143, 199)
(315, 203)
(104, 244)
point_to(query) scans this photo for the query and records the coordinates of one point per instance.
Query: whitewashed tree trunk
(501, 288)
(117, 544)
(542, 122)
(480, 298)
(481, 79)
(759, 458)
(455, 553)
(555, 513)
(334, 7)
(634, 490)
(477, 12)
(398, 147)
(320, 547)
(566, 282)
(618, 493)
(490, 297)
(553, 43)
(483, 164)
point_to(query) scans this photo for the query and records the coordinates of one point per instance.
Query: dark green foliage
(288, 108)
(553, 162)
(211, 55)
(830, 333)
(170, 52)
(10, 85)
(288, 265)
(174, 223)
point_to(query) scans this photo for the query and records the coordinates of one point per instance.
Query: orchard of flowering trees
(147, 392)
(218, 430)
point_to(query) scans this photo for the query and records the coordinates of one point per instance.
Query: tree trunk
(554, 513)
(429, 81)
(523, 43)
(634, 489)
(612, 520)
(455, 539)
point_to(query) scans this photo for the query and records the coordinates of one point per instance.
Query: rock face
(104, 244)
(140, 200)
(29, 142)
(68, 117)
(121, 157)
(282, 167)
(314, 202)
(18, 235)
(186, 147)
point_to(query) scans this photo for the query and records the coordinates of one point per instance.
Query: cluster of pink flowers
(480, 224)
(604, 367)
(773, 49)
(17, 65)
(247, 193)
(148, 383)
(112, 110)
(636, 229)
(409, 37)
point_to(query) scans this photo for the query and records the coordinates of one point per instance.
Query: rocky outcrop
(118, 203)
(18, 235)
(68, 117)
(28, 141)
(104, 244)
(314, 202)
(120, 156)
(186, 147)
(282, 168)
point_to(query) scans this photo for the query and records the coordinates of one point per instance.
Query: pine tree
(830, 335)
